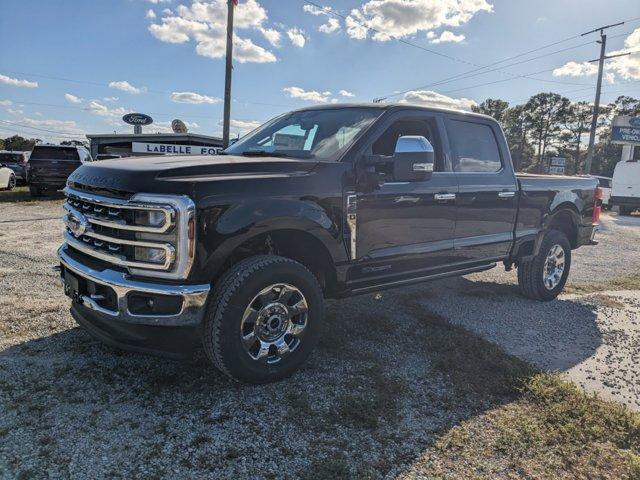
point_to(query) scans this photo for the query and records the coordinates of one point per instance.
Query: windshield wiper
(265, 153)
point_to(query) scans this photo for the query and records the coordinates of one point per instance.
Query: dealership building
(140, 144)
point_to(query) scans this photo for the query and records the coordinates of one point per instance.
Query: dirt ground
(392, 373)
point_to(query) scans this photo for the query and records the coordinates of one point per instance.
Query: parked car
(239, 251)
(7, 178)
(16, 161)
(50, 165)
(605, 185)
(625, 192)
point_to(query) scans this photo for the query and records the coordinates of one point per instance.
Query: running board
(411, 281)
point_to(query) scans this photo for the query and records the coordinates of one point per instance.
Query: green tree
(18, 143)
(544, 115)
(576, 125)
(516, 131)
(493, 107)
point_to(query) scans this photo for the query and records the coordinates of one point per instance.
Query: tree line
(550, 125)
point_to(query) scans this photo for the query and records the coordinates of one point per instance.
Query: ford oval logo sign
(137, 119)
(634, 121)
(77, 223)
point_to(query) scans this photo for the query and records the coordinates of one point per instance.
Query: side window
(474, 147)
(385, 144)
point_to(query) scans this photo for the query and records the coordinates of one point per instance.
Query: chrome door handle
(444, 196)
(506, 194)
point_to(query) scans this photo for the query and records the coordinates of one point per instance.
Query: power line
(62, 133)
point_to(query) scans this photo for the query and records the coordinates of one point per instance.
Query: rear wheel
(263, 320)
(543, 277)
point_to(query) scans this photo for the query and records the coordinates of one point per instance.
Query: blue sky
(92, 61)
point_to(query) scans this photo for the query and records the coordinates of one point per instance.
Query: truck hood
(179, 174)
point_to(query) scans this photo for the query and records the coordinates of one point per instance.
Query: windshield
(55, 153)
(320, 134)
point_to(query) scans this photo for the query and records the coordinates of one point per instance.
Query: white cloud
(332, 25)
(125, 86)
(193, 98)
(434, 99)
(296, 36)
(626, 67)
(346, 93)
(575, 69)
(165, 127)
(15, 111)
(445, 37)
(111, 99)
(313, 10)
(205, 25)
(6, 103)
(15, 82)
(402, 18)
(103, 111)
(310, 95)
(150, 14)
(272, 36)
(58, 126)
(156, 2)
(242, 126)
(72, 98)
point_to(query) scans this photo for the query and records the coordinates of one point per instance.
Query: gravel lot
(376, 393)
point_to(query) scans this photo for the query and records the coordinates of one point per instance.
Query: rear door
(487, 198)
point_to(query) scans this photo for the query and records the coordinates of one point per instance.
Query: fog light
(150, 218)
(151, 255)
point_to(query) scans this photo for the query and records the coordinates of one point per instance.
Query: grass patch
(631, 282)
(376, 400)
(553, 430)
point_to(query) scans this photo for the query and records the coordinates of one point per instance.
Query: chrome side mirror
(413, 159)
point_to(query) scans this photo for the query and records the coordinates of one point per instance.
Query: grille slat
(109, 231)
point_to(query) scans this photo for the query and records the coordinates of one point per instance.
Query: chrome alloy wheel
(274, 323)
(553, 267)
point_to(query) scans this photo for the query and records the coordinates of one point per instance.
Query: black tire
(237, 290)
(35, 191)
(12, 183)
(531, 271)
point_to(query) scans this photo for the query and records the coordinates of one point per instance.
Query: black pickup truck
(238, 251)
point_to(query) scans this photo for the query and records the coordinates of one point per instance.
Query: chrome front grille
(118, 231)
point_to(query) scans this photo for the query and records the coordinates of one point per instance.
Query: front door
(405, 229)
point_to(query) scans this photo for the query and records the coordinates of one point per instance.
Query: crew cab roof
(394, 106)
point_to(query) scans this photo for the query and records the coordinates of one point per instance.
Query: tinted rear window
(10, 157)
(474, 146)
(51, 153)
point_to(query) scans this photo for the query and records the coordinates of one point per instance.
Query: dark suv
(50, 166)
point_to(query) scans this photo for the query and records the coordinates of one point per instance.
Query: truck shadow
(390, 375)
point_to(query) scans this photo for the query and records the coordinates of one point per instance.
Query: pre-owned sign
(625, 130)
(170, 149)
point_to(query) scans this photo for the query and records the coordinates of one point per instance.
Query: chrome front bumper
(194, 297)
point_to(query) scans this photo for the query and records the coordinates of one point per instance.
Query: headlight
(150, 255)
(150, 218)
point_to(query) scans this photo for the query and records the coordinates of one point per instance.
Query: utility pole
(227, 74)
(596, 105)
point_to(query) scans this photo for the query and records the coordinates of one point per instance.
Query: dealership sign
(170, 149)
(626, 130)
(137, 119)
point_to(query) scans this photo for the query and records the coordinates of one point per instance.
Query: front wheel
(263, 320)
(543, 277)
(12, 182)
